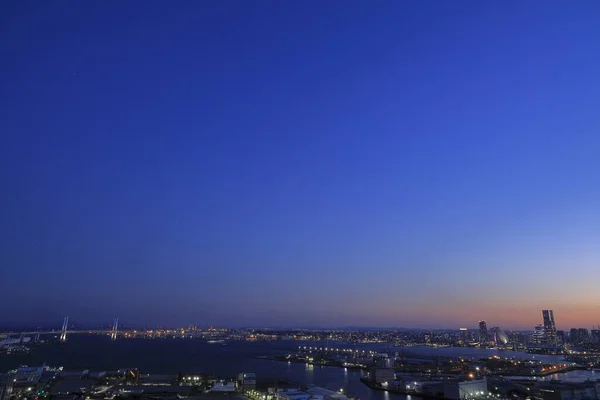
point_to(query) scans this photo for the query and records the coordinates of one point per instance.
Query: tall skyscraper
(574, 336)
(464, 336)
(579, 335)
(584, 334)
(538, 335)
(550, 337)
(483, 332)
(562, 337)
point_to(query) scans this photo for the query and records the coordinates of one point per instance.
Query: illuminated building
(483, 332)
(538, 334)
(466, 389)
(550, 338)
(246, 381)
(500, 336)
(561, 336)
(381, 375)
(464, 336)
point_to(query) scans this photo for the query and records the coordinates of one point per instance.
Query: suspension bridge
(62, 334)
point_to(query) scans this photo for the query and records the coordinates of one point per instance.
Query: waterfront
(476, 352)
(188, 355)
(576, 376)
(159, 355)
(226, 359)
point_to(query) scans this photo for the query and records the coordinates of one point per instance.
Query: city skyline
(301, 164)
(548, 329)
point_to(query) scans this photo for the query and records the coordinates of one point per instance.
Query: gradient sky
(300, 163)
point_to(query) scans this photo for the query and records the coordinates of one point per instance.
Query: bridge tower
(115, 329)
(65, 328)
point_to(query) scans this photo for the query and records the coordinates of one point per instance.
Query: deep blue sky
(397, 163)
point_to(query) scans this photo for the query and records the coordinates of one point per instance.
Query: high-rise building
(562, 337)
(499, 336)
(464, 336)
(518, 338)
(574, 336)
(583, 335)
(538, 334)
(550, 338)
(579, 335)
(483, 332)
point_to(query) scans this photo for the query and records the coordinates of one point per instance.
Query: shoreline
(366, 368)
(375, 386)
(320, 364)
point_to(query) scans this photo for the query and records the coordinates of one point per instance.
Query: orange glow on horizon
(449, 316)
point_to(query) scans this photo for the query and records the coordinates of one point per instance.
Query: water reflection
(106, 354)
(471, 352)
(574, 376)
(570, 376)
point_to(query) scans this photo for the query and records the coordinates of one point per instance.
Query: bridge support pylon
(65, 328)
(115, 329)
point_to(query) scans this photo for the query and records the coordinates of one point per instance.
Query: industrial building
(568, 391)
(382, 375)
(466, 389)
(246, 381)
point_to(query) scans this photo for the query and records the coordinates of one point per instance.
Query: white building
(381, 375)
(326, 394)
(466, 390)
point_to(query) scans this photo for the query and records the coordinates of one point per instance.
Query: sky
(300, 163)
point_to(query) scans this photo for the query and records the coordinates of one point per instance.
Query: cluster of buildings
(495, 335)
(555, 390)
(382, 375)
(45, 383)
(476, 380)
(545, 336)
